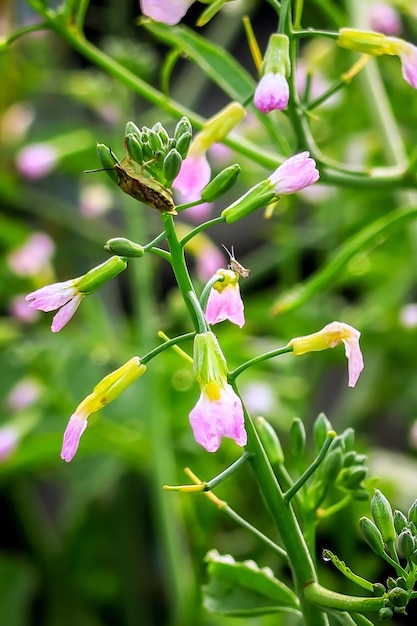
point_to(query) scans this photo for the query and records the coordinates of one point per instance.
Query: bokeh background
(97, 542)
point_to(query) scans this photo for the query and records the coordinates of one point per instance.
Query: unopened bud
(124, 247)
(155, 141)
(221, 183)
(398, 597)
(132, 129)
(320, 429)
(406, 542)
(412, 513)
(353, 476)
(368, 42)
(297, 438)
(183, 144)
(259, 196)
(160, 130)
(385, 614)
(270, 440)
(172, 165)
(332, 465)
(134, 148)
(108, 161)
(372, 535)
(400, 521)
(383, 517)
(99, 275)
(183, 127)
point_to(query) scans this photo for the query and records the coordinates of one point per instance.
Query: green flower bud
(259, 196)
(398, 597)
(124, 247)
(183, 127)
(148, 153)
(108, 161)
(406, 542)
(360, 494)
(360, 459)
(321, 427)
(332, 465)
(372, 535)
(183, 144)
(132, 129)
(277, 58)
(99, 275)
(155, 142)
(412, 513)
(368, 42)
(383, 517)
(270, 441)
(172, 165)
(160, 130)
(348, 437)
(413, 557)
(297, 439)
(221, 183)
(134, 148)
(349, 458)
(379, 590)
(385, 614)
(400, 521)
(353, 476)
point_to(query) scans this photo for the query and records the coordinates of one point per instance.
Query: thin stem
(25, 30)
(310, 32)
(258, 359)
(81, 12)
(206, 291)
(214, 482)
(311, 469)
(201, 227)
(164, 346)
(155, 241)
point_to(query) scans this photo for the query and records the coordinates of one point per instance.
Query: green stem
(206, 291)
(167, 344)
(214, 482)
(201, 227)
(300, 560)
(258, 359)
(288, 495)
(323, 597)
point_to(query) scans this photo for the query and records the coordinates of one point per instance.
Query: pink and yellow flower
(167, 11)
(330, 336)
(219, 411)
(272, 93)
(295, 174)
(224, 301)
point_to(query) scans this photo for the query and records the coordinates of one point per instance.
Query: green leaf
(242, 589)
(215, 62)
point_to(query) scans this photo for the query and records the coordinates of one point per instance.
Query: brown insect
(235, 265)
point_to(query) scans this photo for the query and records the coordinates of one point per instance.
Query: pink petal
(272, 93)
(408, 56)
(355, 359)
(194, 175)
(52, 296)
(65, 313)
(36, 160)
(166, 11)
(227, 305)
(9, 439)
(74, 430)
(296, 173)
(384, 18)
(212, 420)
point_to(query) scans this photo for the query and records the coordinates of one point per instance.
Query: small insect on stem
(235, 265)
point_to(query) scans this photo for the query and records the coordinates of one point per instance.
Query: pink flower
(194, 175)
(296, 173)
(24, 394)
(224, 301)
(9, 439)
(18, 307)
(63, 296)
(272, 93)
(212, 419)
(36, 160)
(208, 260)
(166, 11)
(330, 336)
(408, 56)
(219, 411)
(384, 18)
(33, 257)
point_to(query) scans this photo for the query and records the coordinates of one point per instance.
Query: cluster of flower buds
(152, 161)
(390, 535)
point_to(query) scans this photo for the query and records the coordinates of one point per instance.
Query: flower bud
(270, 440)
(99, 275)
(221, 183)
(385, 614)
(259, 196)
(134, 148)
(412, 513)
(160, 130)
(272, 92)
(372, 535)
(321, 427)
(172, 165)
(383, 517)
(332, 465)
(398, 597)
(349, 458)
(406, 542)
(155, 141)
(183, 144)
(297, 438)
(182, 128)
(108, 161)
(353, 476)
(124, 247)
(348, 437)
(400, 521)
(132, 129)
(368, 42)
(379, 589)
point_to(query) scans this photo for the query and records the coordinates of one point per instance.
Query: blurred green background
(98, 542)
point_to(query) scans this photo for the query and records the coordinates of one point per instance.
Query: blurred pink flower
(384, 18)
(296, 173)
(272, 93)
(212, 419)
(24, 394)
(95, 200)
(36, 160)
(33, 257)
(208, 260)
(408, 56)
(9, 440)
(18, 307)
(63, 296)
(167, 11)
(194, 175)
